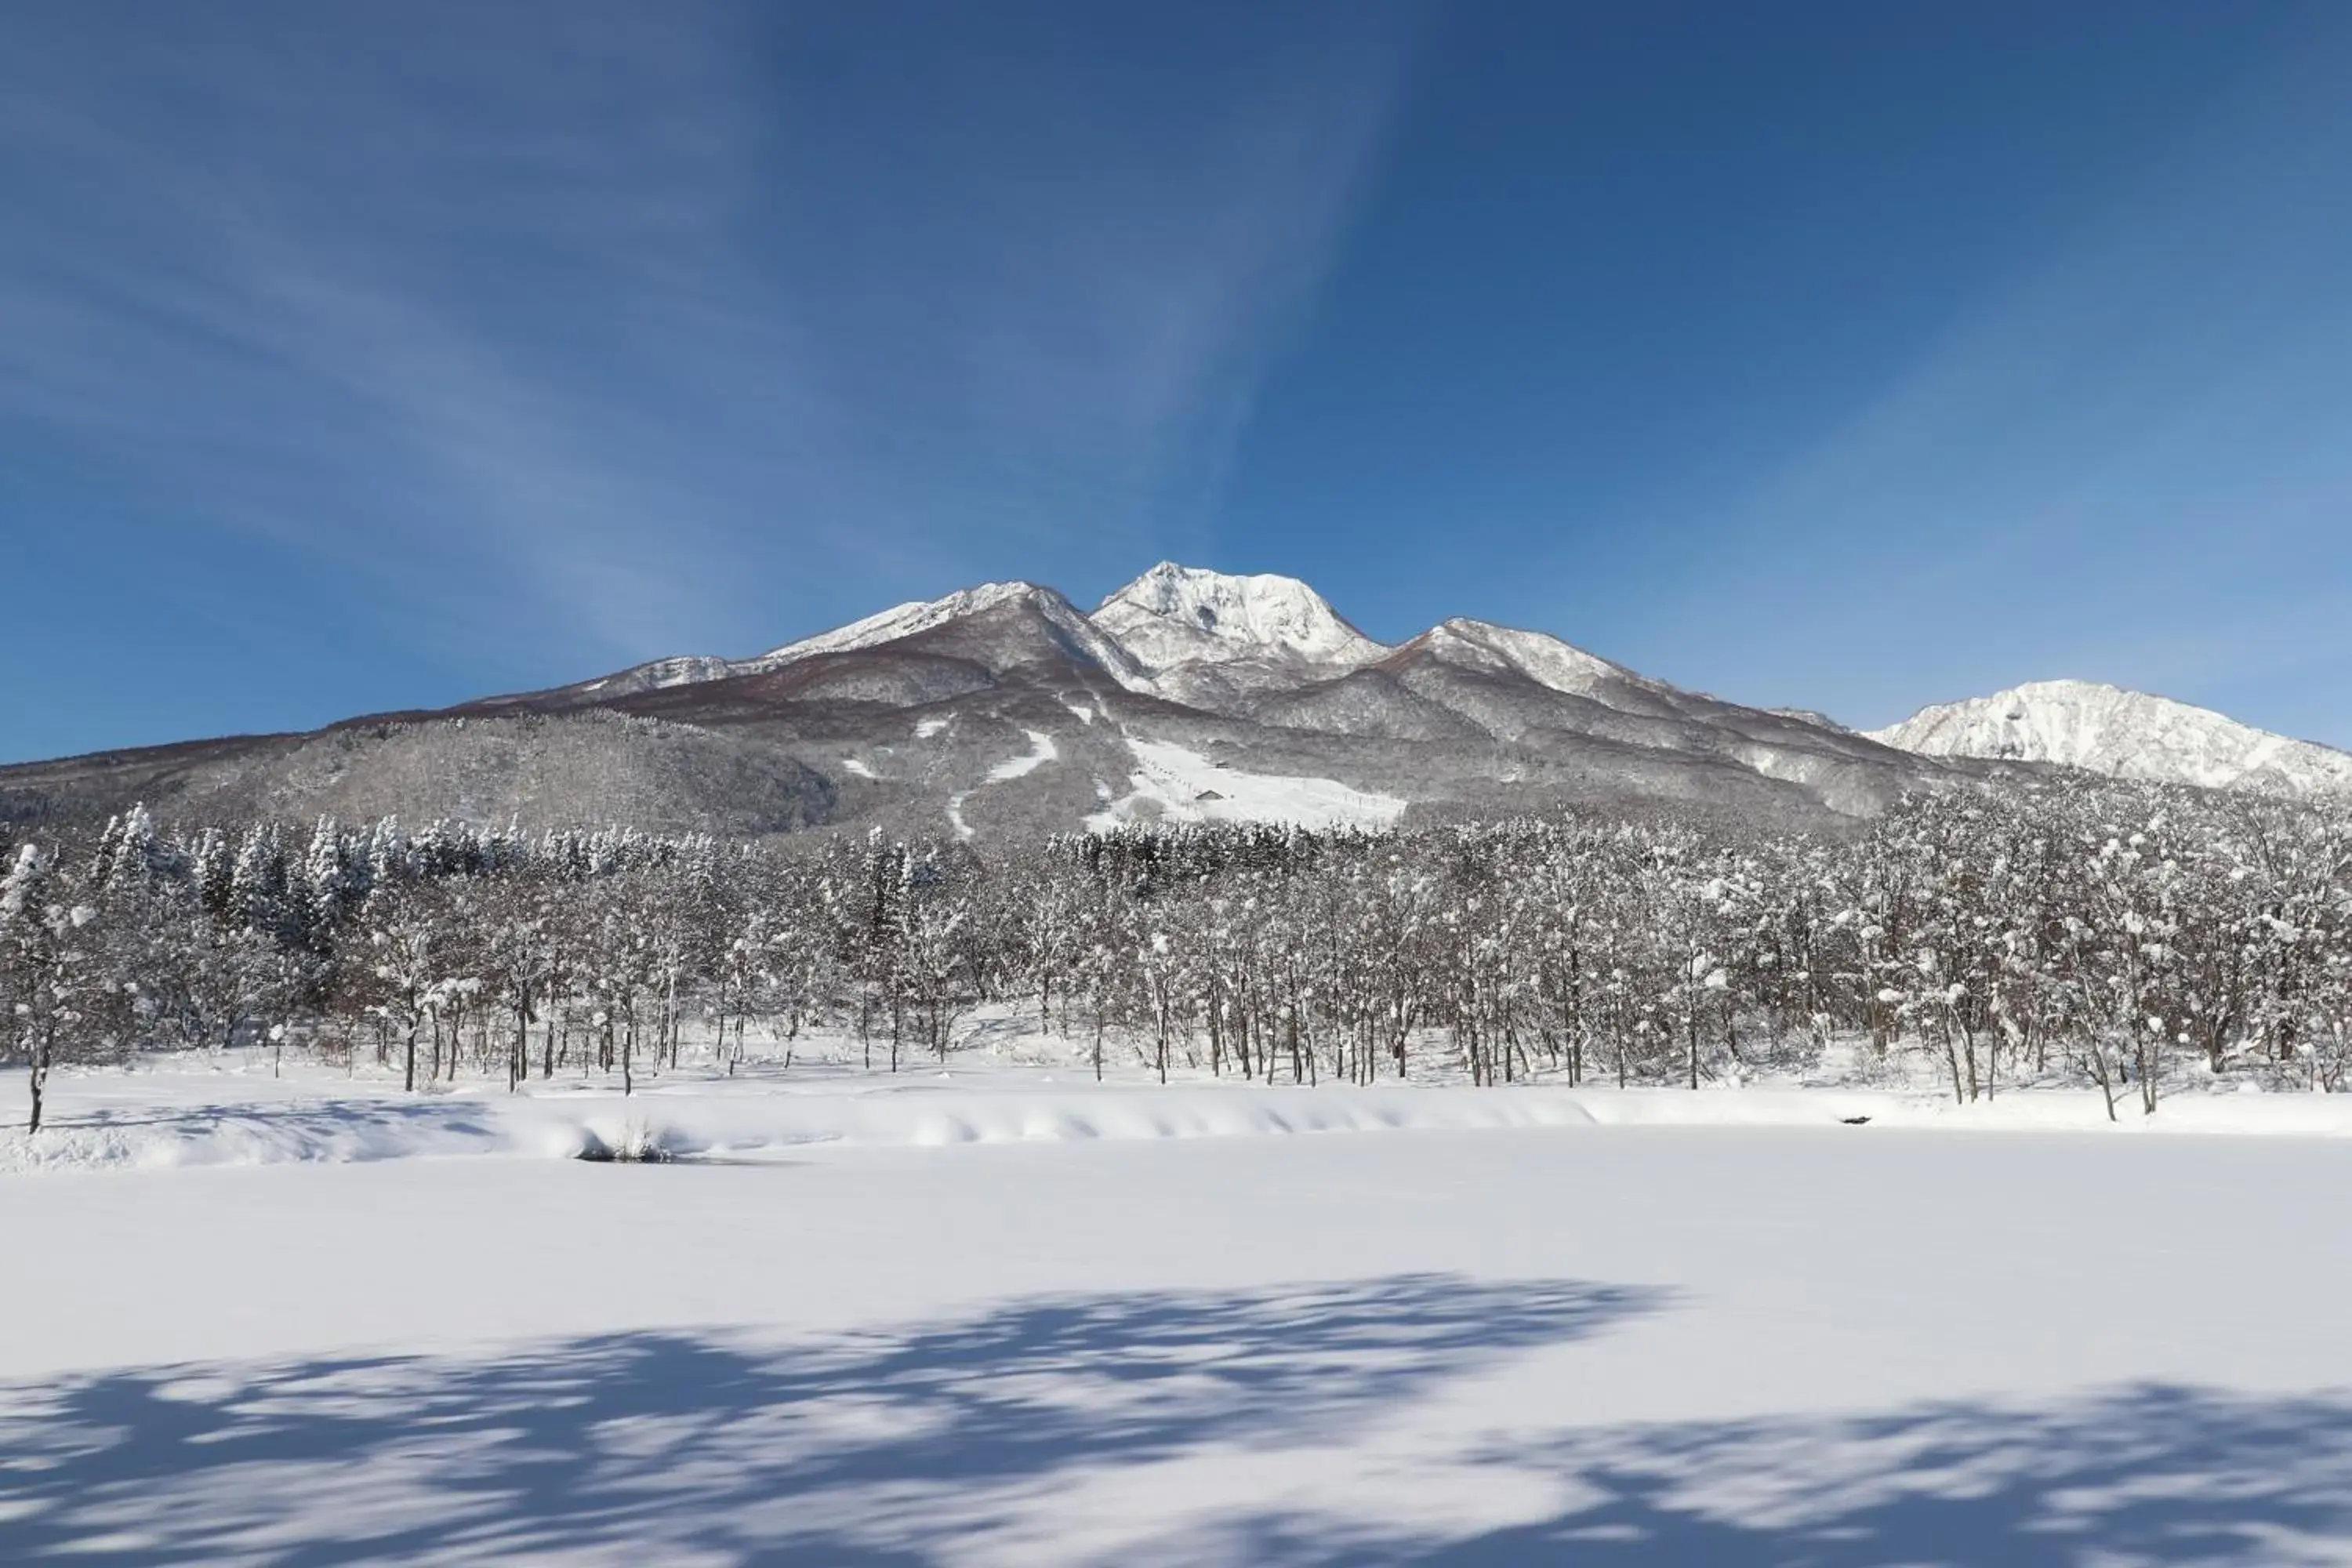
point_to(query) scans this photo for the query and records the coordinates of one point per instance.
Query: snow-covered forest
(2137, 938)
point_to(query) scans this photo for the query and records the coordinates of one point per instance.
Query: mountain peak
(2129, 734)
(1176, 615)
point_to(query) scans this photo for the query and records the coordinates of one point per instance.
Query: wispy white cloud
(636, 328)
(326, 278)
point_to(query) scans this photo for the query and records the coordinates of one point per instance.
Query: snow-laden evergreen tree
(46, 947)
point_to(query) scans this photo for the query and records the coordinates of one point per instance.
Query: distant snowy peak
(1544, 659)
(2127, 734)
(1174, 616)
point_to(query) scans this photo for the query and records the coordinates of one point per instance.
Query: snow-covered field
(1008, 1316)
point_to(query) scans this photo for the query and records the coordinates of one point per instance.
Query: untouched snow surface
(1469, 1340)
(2129, 734)
(1173, 784)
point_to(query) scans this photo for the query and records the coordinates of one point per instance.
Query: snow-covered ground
(232, 1111)
(1042, 750)
(1172, 784)
(1010, 1316)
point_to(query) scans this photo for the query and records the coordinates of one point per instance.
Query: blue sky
(366, 356)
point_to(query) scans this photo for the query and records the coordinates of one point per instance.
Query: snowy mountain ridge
(899, 621)
(1186, 696)
(2126, 734)
(1270, 649)
(1183, 632)
(1543, 658)
(907, 620)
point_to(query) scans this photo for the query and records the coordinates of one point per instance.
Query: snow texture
(2127, 734)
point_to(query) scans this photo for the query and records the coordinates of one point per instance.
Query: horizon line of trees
(2075, 930)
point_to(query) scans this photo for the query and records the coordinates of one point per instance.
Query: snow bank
(166, 1120)
(711, 1120)
(688, 1124)
(318, 1132)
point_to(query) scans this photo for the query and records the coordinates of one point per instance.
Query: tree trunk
(40, 1081)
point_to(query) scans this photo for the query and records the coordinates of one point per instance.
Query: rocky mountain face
(2127, 734)
(1186, 696)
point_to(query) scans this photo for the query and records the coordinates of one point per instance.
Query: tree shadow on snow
(685, 1448)
(958, 1441)
(2152, 1475)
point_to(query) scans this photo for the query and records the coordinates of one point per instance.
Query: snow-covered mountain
(1179, 631)
(1188, 694)
(2128, 734)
